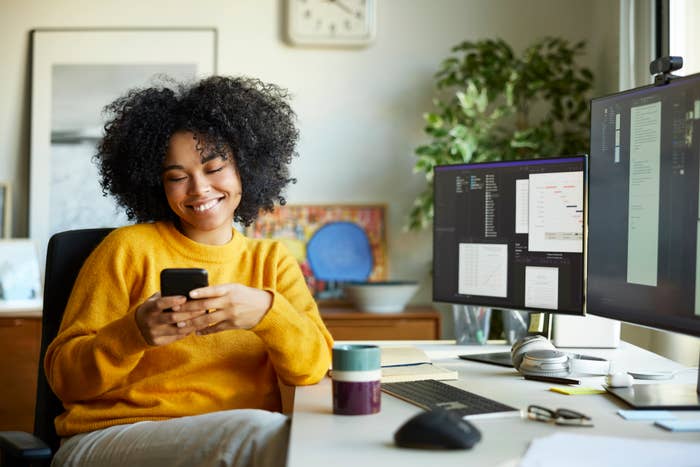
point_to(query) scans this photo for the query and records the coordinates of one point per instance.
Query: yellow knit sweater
(106, 374)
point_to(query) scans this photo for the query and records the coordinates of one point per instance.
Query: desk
(319, 438)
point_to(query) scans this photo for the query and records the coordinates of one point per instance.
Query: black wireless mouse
(437, 429)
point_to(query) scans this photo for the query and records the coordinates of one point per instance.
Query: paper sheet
(577, 450)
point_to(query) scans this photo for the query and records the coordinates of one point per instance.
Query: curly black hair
(241, 116)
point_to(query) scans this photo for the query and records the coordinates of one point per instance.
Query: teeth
(205, 206)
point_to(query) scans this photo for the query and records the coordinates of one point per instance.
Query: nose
(199, 184)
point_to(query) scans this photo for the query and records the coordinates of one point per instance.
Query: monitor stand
(542, 325)
(654, 396)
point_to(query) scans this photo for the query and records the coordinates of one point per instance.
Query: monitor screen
(643, 233)
(510, 234)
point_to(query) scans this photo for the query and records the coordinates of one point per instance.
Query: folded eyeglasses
(559, 416)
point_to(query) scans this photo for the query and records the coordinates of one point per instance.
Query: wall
(359, 110)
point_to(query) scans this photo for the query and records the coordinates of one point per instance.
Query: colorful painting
(334, 244)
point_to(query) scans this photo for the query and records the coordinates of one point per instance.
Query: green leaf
(491, 104)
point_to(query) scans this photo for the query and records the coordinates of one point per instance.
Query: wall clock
(331, 22)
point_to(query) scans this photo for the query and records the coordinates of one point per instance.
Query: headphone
(536, 356)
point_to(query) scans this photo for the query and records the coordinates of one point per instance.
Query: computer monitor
(643, 236)
(509, 235)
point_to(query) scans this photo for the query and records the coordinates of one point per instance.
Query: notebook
(411, 364)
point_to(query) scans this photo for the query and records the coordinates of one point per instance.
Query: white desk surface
(319, 438)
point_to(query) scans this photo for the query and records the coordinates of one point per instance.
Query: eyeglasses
(560, 416)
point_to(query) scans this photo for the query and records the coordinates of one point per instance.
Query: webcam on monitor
(662, 67)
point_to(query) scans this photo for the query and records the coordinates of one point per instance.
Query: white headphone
(535, 355)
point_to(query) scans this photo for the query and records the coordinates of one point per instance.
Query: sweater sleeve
(299, 345)
(98, 342)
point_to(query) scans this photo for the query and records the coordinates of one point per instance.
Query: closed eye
(176, 179)
(215, 170)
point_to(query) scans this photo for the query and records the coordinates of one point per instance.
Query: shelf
(414, 323)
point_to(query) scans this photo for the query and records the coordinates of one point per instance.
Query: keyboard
(430, 394)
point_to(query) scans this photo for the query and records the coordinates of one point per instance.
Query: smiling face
(203, 192)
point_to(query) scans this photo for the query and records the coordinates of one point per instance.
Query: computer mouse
(618, 380)
(437, 429)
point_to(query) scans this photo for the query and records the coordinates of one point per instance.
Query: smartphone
(179, 281)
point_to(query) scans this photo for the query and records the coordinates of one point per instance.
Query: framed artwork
(5, 210)
(20, 283)
(334, 244)
(75, 74)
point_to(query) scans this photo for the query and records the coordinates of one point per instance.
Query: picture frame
(298, 226)
(5, 210)
(75, 73)
(20, 282)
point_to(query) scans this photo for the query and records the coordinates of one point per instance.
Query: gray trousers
(251, 438)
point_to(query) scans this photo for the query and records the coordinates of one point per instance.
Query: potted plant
(494, 105)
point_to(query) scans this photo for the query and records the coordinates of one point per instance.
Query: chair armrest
(23, 445)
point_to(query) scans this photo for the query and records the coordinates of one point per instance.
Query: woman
(153, 380)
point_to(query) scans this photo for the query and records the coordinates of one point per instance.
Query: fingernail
(181, 324)
(176, 308)
(194, 294)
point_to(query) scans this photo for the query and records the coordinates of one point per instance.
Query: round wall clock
(331, 22)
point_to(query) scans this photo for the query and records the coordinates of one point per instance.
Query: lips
(205, 206)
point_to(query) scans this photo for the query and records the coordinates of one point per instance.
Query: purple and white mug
(356, 378)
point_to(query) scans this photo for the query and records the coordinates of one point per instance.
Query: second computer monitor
(510, 234)
(644, 254)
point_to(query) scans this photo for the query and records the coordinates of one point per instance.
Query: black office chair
(66, 254)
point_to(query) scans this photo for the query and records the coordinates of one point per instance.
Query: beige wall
(359, 110)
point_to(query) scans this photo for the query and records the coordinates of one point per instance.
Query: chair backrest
(66, 253)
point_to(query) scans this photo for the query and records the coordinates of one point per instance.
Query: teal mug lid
(356, 357)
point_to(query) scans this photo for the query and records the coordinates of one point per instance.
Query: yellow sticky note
(577, 391)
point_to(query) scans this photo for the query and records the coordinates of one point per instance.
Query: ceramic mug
(356, 378)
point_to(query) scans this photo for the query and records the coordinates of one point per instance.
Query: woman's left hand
(231, 306)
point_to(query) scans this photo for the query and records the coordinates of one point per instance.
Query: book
(411, 364)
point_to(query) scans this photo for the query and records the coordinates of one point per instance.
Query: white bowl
(381, 297)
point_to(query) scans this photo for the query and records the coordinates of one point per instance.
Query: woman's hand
(231, 306)
(159, 327)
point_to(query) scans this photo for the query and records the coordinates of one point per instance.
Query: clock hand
(342, 6)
